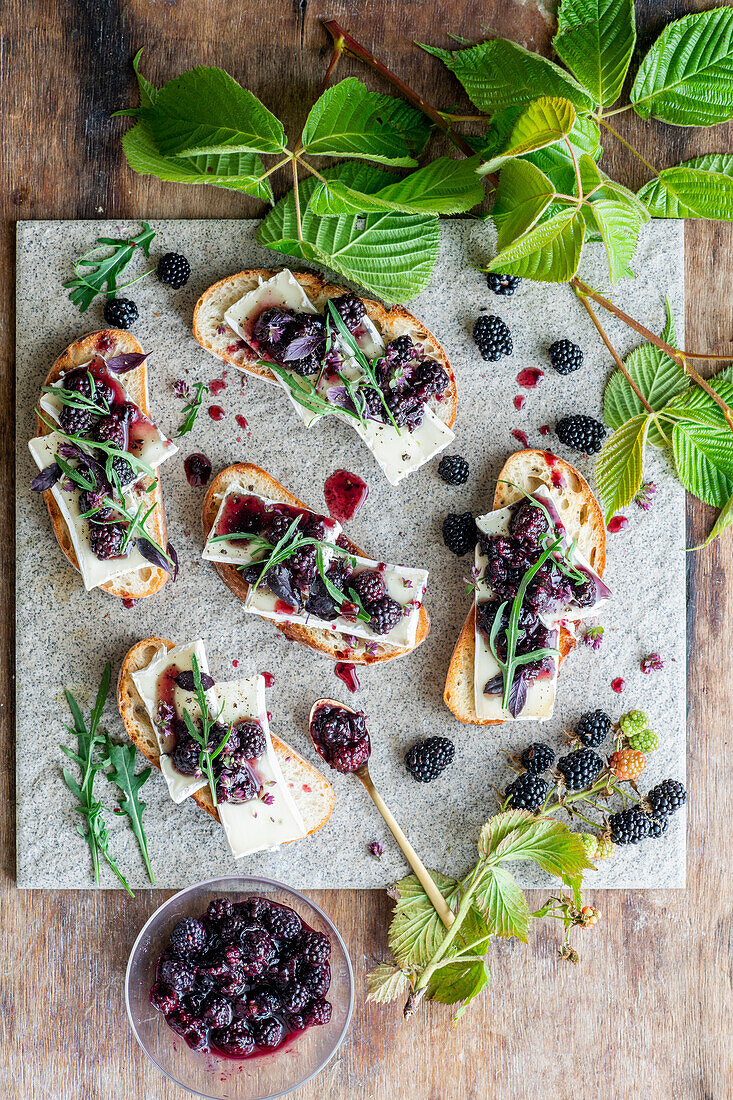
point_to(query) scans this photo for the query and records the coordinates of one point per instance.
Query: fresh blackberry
(269, 1033)
(537, 758)
(106, 540)
(565, 357)
(401, 349)
(658, 827)
(174, 269)
(492, 338)
(120, 312)
(373, 402)
(385, 614)
(593, 728)
(629, 826)
(505, 285)
(76, 421)
(251, 738)
(581, 432)
(666, 798)
(429, 757)
(350, 309)
(580, 769)
(369, 586)
(527, 792)
(453, 469)
(123, 469)
(459, 533)
(188, 938)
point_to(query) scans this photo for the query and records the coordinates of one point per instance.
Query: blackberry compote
(340, 736)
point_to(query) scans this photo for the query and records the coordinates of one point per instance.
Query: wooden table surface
(648, 1011)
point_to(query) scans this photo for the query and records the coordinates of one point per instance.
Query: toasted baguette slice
(583, 519)
(208, 321)
(251, 479)
(148, 579)
(311, 791)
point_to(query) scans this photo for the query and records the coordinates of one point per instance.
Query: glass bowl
(213, 1076)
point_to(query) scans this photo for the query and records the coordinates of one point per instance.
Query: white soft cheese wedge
(150, 688)
(541, 692)
(401, 454)
(156, 448)
(241, 551)
(263, 823)
(405, 586)
(94, 572)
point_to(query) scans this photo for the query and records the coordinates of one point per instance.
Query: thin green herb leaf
(120, 759)
(191, 410)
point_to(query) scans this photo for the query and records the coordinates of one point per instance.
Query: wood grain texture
(648, 1011)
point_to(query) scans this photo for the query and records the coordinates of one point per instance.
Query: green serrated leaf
(243, 172)
(205, 111)
(386, 983)
(444, 186)
(388, 253)
(416, 930)
(619, 224)
(595, 39)
(698, 407)
(548, 843)
(619, 468)
(522, 196)
(686, 78)
(722, 523)
(556, 160)
(698, 188)
(502, 904)
(669, 332)
(703, 458)
(549, 253)
(499, 73)
(458, 983)
(148, 93)
(349, 121)
(658, 377)
(543, 122)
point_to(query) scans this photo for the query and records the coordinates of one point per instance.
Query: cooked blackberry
(350, 309)
(492, 337)
(453, 469)
(580, 769)
(401, 349)
(537, 758)
(429, 757)
(581, 432)
(593, 728)
(430, 379)
(120, 312)
(385, 614)
(373, 402)
(527, 792)
(306, 367)
(459, 533)
(188, 938)
(565, 357)
(123, 469)
(186, 757)
(111, 429)
(76, 421)
(106, 540)
(629, 826)
(369, 586)
(504, 285)
(252, 742)
(174, 269)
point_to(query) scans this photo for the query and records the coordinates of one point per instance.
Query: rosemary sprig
(191, 410)
(206, 755)
(101, 274)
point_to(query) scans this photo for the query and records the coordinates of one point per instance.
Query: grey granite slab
(65, 635)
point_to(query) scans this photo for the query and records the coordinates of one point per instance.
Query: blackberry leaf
(549, 253)
(619, 465)
(386, 983)
(544, 122)
(522, 196)
(693, 190)
(446, 186)
(595, 39)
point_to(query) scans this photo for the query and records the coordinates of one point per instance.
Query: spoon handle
(428, 884)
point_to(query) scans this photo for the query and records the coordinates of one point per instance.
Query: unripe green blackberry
(646, 741)
(633, 722)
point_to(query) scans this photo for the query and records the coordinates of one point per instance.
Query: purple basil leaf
(121, 364)
(517, 695)
(278, 580)
(302, 346)
(186, 681)
(338, 395)
(174, 558)
(153, 555)
(46, 478)
(495, 685)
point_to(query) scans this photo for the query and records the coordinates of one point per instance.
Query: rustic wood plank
(647, 1012)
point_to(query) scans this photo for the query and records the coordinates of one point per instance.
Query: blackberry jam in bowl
(239, 988)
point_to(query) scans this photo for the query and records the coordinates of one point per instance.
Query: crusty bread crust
(316, 804)
(148, 579)
(253, 479)
(583, 519)
(208, 318)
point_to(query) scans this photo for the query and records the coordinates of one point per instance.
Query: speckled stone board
(64, 635)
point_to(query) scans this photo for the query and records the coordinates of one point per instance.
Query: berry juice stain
(618, 685)
(520, 401)
(618, 523)
(521, 437)
(346, 673)
(242, 421)
(127, 602)
(235, 663)
(545, 429)
(217, 385)
(529, 378)
(215, 412)
(269, 678)
(345, 494)
(558, 481)
(198, 469)
(283, 608)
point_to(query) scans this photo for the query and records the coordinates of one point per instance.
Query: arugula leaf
(385, 983)
(522, 196)
(503, 904)
(619, 465)
(416, 930)
(686, 78)
(549, 253)
(544, 122)
(205, 110)
(445, 186)
(595, 39)
(697, 188)
(703, 458)
(618, 224)
(389, 254)
(349, 121)
(120, 759)
(100, 275)
(499, 73)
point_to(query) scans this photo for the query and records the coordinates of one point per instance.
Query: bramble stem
(297, 200)
(634, 152)
(614, 353)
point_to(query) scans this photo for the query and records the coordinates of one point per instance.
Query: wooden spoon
(441, 906)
